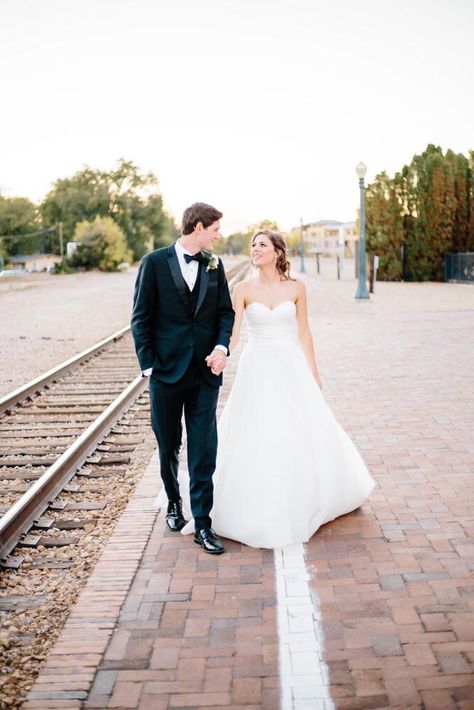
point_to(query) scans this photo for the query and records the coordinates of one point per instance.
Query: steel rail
(35, 501)
(34, 386)
(21, 516)
(238, 273)
(8, 401)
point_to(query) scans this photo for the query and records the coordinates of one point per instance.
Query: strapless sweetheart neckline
(258, 303)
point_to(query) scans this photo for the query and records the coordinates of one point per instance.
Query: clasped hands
(217, 360)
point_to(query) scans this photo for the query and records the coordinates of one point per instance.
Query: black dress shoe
(209, 541)
(174, 517)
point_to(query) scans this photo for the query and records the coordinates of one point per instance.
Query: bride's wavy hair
(282, 263)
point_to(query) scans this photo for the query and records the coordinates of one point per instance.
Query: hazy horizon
(261, 108)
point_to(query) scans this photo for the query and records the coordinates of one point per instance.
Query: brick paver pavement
(162, 625)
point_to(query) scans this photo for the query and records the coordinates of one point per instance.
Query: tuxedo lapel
(177, 275)
(203, 283)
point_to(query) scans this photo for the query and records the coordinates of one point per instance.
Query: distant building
(33, 262)
(323, 237)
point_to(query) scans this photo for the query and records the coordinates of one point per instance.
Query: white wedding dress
(284, 465)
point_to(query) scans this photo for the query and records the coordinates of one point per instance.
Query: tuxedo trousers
(197, 399)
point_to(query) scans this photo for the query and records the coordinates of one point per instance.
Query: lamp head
(361, 169)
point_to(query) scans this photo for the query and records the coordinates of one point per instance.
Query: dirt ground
(46, 319)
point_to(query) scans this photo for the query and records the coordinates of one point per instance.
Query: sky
(262, 108)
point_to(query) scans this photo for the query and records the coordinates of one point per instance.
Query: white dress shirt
(189, 271)
(190, 274)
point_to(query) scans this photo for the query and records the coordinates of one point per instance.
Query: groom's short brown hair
(199, 212)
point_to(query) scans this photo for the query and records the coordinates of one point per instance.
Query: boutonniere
(212, 260)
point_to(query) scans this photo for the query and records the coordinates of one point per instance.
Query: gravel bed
(27, 634)
(47, 319)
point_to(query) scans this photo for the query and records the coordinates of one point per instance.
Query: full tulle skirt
(284, 465)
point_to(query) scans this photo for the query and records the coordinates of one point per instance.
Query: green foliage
(124, 194)
(170, 233)
(423, 213)
(236, 243)
(461, 176)
(239, 242)
(385, 225)
(435, 207)
(18, 215)
(470, 211)
(102, 245)
(63, 267)
(269, 224)
(294, 241)
(74, 199)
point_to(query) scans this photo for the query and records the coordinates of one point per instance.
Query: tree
(239, 242)
(435, 209)
(124, 194)
(461, 176)
(433, 197)
(19, 216)
(470, 234)
(408, 200)
(137, 208)
(101, 244)
(269, 224)
(236, 243)
(80, 197)
(294, 240)
(385, 225)
(170, 233)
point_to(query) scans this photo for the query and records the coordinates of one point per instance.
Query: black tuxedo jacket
(165, 329)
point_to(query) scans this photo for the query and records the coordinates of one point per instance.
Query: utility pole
(61, 243)
(302, 269)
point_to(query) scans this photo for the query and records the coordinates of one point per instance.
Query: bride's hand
(216, 361)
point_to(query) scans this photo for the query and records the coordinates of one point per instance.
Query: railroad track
(66, 440)
(73, 446)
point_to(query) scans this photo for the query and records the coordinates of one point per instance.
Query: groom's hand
(216, 361)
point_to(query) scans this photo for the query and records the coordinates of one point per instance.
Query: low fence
(459, 267)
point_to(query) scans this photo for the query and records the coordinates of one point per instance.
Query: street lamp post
(302, 269)
(340, 252)
(361, 291)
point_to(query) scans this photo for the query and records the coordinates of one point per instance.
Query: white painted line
(304, 675)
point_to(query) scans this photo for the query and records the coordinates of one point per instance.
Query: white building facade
(324, 237)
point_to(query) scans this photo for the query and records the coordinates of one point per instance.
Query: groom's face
(207, 237)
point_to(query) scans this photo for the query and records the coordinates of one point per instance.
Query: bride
(284, 465)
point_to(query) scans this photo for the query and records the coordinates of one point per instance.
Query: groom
(182, 322)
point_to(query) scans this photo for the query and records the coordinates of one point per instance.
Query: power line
(30, 234)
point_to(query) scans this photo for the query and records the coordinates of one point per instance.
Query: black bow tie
(194, 257)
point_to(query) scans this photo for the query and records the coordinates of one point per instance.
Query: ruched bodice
(267, 325)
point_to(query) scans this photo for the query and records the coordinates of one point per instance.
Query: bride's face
(262, 251)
